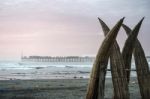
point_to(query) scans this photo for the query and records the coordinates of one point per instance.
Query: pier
(57, 59)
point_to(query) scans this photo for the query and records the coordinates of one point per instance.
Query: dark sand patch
(55, 89)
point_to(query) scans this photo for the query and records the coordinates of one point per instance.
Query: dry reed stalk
(117, 68)
(129, 47)
(97, 79)
(142, 67)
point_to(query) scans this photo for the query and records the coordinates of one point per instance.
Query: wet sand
(56, 89)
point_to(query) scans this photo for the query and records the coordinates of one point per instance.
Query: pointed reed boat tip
(122, 19)
(100, 19)
(142, 20)
(144, 17)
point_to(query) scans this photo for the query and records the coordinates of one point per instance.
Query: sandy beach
(42, 81)
(56, 89)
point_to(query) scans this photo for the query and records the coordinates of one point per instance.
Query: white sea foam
(18, 70)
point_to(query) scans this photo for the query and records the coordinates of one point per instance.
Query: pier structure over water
(57, 59)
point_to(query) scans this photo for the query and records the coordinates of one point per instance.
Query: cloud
(52, 26)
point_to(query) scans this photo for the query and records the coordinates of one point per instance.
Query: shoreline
(56, 89)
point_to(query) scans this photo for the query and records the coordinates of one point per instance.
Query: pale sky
(66, 27)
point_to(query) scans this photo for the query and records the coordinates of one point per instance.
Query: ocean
(10, 70)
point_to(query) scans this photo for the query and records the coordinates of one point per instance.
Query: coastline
(56, 89)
